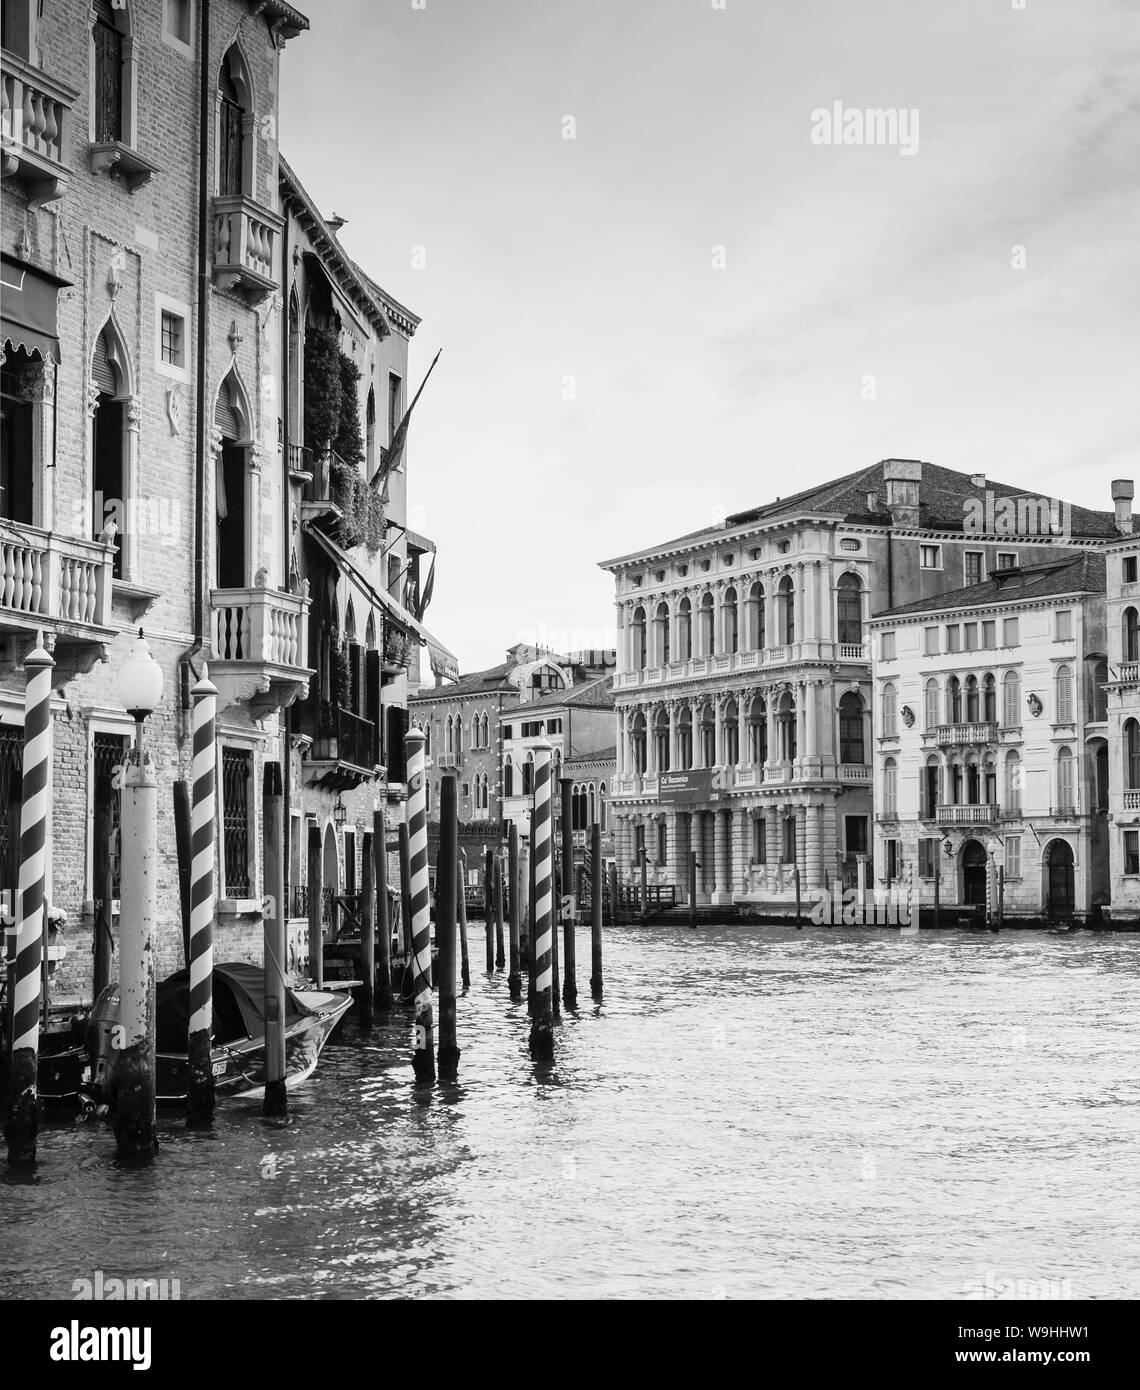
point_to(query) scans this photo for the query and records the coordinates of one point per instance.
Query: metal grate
(109, 752)
(235, 820)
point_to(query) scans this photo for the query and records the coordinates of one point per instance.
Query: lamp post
(140, 689)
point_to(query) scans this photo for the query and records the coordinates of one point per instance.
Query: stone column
(816, 868)
(773, 730)
(801, 844)
(801, 720)
(811, 748)
(772, 635)
(811, 577)
(774, 833)
(743, 756)
(722, 890)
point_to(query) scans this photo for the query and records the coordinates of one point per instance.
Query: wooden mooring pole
(316, 896)
(489, 907)
(366, 998)
(275, 951)
(447, 881)
(567, 905)
(597, 870)
(530, 917)
(407, 973)
(462, 905)
(383, 997)
(500, 946)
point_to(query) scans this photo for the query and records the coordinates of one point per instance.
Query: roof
(597, 694)
(1073, 574)
(943, 494)
(491, 681)
(601, 755)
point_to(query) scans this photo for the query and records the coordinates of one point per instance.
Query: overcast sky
(603, 384)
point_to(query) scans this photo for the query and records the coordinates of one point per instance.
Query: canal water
(752, 1112)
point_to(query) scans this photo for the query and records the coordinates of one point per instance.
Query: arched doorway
(330, 884)
(974, 874)
(1059, 891)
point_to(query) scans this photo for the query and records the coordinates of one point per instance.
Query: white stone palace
(744, 674)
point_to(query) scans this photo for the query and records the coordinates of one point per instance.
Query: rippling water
(751, 1112)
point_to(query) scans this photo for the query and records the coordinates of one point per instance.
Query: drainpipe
(187, 662)
(287, 712)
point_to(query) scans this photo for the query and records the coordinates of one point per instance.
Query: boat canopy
(239, 1006)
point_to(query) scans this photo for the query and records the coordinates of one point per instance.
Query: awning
(442, 661)
(28, 307)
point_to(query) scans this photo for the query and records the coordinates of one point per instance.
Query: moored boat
(238, 1052)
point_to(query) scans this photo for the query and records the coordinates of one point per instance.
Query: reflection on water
(751, 1112)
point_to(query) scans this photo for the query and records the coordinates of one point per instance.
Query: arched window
(890, 788)
(1064, 692)
(685, 631)
(932, 703)
(971, 699)
(851, 748)
(849, 609)
(1066, 800)
(486, 732)
(1130, 634)
(989, 780)
(112, 69)
(449, 735)
(528, 773)
(890, 710)
(1012, 796)
(638, 654)
(956, 798)
(786, 727)
(1100, 690)
(953, 701)
(973, 781)
(685, 739)
(786, 608)
(729, 619)
(508, 777)
(731, 736)
(233, 421)
(708, 623)
(458, 734)
(1132, 755)
(758, 731)
(639, 751)
(602, 808)
(1011, 700)
(931, 787)
(110, 439)
(661, 740)
(593, 804)
(989, 698)
(754, 618)
(661, 634)
(235, 127)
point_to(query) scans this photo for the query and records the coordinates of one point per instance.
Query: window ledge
(136, 599)
(120, 162)
(238, 907)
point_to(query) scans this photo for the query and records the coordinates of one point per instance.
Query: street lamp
(140, 687)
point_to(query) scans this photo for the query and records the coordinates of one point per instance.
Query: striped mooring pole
(597, 870)
(275, 941)
(423, 1057)
(567, 904)
(203, 810)
(447, 882)
(514, 982)
(21, 1124)
(542, 1018)
(461, 904)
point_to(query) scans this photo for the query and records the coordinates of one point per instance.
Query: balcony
(852, 651)
(57, 585)
(345, 749)
(1065, 812)
(300, 464)
(121, 163)
(260, 637)
(968, 815)
(245, 246)
(1129, 673)
(1132, 801)
(966, 733)
(854, 772)
(34, 130)
(447, 761)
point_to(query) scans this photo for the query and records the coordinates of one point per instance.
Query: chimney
(1123, 491)
(977, 480)
(903, 478)
(872, 501)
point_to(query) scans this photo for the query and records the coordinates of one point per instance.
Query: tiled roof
(1072, 574)
(943, 493)
(491, 681)
(597, 694)
(602, 755)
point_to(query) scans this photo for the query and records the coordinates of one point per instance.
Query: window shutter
(397, 728)
(102, 373)
(225, 420)
(372, 709)
(108, 74)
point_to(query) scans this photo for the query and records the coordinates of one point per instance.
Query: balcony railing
(1129, 672)
(851, 651)
(263, 632)
(35, 113)
(984, 732)
(259, 624)
(245, 246)
(47, 576)
(1132, 801)
(345, 737)
(854, 772)
(968, 815)
(300, 459)
(448, 760)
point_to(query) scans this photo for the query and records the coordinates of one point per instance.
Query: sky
(660, 300)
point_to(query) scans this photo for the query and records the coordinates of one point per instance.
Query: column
(801, 719)
(827, 606)
(721, 887)
(744, 641)
(810, 748)
(674, 751)
(801, 844)
(815, 878)
(772, 634)
(773, 833)
(718, 737)
(622, 640)
(650, 740)
(743, 757)
(811, 589)
(773, 731)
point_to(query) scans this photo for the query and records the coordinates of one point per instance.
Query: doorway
(1060, 897)
(974, 874)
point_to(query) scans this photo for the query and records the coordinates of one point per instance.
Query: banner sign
(680, 788)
